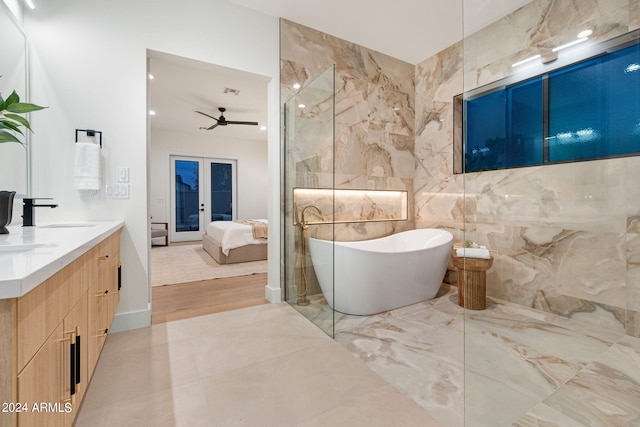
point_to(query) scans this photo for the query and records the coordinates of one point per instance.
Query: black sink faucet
(28, 213)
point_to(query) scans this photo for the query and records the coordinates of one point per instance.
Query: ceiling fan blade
(230, 122)
(210, 127)
(205, 114)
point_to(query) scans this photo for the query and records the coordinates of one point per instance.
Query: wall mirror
(14, 158)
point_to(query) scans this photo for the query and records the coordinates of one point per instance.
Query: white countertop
(22, 271)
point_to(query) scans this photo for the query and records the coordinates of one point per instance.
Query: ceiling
(181, 86)
(411, 30)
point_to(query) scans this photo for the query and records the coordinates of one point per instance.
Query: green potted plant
(11, 120)
(10, 117)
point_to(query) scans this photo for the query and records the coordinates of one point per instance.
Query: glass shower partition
(309, 183)
(563, 221)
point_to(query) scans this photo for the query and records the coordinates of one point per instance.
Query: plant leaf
(24, 122)
(12, 99)
(22, 107)
(8, 137)
(8, 124)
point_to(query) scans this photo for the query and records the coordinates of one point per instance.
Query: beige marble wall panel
(374, 120)
(588, 196)
(575, 274)
(537, 28)
(438, 193)
(634, 14)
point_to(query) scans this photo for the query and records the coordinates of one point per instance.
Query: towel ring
(90, 132)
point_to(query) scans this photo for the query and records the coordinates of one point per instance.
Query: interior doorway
(221, 171)
(203, 190)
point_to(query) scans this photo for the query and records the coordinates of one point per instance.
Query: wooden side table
(472, 281)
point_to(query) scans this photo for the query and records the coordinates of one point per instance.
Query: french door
(202, 190)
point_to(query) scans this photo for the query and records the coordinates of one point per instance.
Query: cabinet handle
(74, 362)
(119, 276)
(103, 294)
(102, 334)
(103, 258)
(78, 362)
(72, 369)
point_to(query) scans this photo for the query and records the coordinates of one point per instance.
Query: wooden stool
(472, 281)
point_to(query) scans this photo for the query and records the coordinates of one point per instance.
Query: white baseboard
(274, 295)
(132, 320)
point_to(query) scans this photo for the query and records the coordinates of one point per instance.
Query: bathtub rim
(342, 243)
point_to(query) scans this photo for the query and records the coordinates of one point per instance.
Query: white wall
(252, 169)
(88, 65)
(15, 6)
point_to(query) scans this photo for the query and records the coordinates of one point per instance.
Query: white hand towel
(86, 171)
(473, 253)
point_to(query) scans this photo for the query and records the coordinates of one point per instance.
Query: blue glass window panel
(221, 192)
(524, 124)
(485, 132)
(594, 108)
(504, 128)
(187, 196)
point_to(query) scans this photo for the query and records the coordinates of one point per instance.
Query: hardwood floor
(184, 300)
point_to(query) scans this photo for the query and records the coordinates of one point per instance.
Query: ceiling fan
(221, 121)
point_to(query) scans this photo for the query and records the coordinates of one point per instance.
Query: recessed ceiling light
(585, 33)
(301, 105)
(152, 113)
(30, 4)
(151, 77)
(296, 85)
(263, 128)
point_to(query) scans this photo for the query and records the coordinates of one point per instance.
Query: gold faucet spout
(303, 222)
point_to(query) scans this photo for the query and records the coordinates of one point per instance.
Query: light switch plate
(123, 174)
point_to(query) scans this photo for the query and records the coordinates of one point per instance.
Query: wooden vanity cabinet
(59, 329)
(104, 295)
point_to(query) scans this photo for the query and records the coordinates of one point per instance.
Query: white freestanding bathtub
(372, 276)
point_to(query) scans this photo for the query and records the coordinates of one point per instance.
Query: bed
(230, 242)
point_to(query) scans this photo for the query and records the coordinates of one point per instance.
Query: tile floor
(259, 366)
(269, 366)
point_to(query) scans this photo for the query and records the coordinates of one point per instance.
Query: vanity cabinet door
(97, 323)
(103, 296)
(54, 381)
(76, 358)
(41, 384)
(112, 276)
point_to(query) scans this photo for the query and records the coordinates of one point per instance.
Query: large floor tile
(289, 389)
(181, 406)
(382, 407)
(127, 374)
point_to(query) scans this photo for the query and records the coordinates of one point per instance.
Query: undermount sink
(68, 225)
(19, 247)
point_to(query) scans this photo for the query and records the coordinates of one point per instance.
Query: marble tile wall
(374, 120)
(567, 235)
(374, 130)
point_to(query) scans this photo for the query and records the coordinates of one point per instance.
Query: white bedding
(232, 235)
